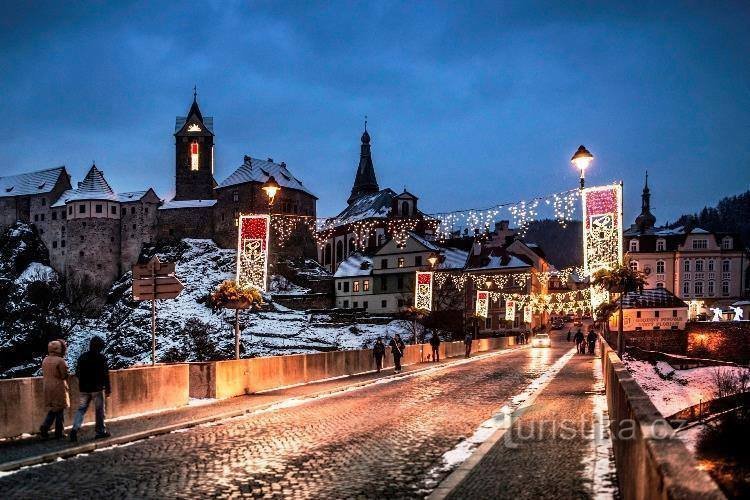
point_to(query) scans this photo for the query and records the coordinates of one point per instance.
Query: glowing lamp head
(488, 283)
(433, 259)
(582, 159)
(271, 187)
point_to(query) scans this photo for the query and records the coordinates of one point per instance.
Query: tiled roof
(39, 182)
(500, 262)
(424, 242)
(132, 196)
(255, 170)
(651, 298)
(354, 265)
(168, 205)
(455, 258)
(93, 187)
(375, 205)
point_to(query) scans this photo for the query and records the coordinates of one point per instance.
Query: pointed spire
(194, 109)
(646, 219)
(365, 181)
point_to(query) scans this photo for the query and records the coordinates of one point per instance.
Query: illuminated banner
(510, 310)
(602, 232)
(527, 314)
(483, 303)
(252, 251)
(423, 295)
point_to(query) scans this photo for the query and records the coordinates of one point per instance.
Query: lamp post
(433, 259)
(581, 160)
(271, 187)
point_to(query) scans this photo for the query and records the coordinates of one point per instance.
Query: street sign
(152, 281)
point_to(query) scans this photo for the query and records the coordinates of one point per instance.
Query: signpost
(151, 281)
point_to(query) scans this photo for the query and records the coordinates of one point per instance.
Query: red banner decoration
(602, 232)
(423, 295)
(483, 303)
(252, 251)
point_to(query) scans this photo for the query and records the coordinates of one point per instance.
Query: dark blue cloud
(469, 104)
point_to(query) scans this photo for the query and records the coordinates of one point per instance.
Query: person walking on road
(378, 351)
(397, 349)
(93, 384)
(435, 344)
(569, 330)
(591, 338)
(579, 342)
(467, 343)
(55, 382)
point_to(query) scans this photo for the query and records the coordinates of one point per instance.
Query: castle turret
(646, 219)
(365, 181)
(194, 155)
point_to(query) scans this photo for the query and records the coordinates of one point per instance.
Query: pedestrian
(378, 351)
(435, 344)
(467, 343)
(397, 349)
(591, 338)
(93, 385)
(578, 338)
(55, 382)
(569, 330)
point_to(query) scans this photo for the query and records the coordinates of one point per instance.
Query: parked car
(557, 325)
(541, 340)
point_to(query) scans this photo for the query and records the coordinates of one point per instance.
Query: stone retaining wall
(652, 463)
(727, 341)
(134, 390)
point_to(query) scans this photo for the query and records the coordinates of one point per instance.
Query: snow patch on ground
(36, 272)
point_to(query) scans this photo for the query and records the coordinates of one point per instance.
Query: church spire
(365, 181)
(646, 220)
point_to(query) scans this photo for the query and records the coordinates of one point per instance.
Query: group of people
(582, 342)
(397, 349)
(92, 372)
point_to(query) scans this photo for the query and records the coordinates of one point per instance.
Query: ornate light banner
(527, 317)
(602, 232)
(510, 310)
(252, 251)
(483, 303)
(423, 295)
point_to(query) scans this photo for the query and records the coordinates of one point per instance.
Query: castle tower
(365, 181)
(194, 155)
(646, 219)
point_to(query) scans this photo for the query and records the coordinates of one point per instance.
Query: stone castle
(95, 234)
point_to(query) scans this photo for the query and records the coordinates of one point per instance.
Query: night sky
(469, 105)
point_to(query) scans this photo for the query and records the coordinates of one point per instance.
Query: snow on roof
(169, 205)
(179, 122)
(651, 298)
(496, 263)
(699, 230)
(369, 206)
(132, 196)
(455, 258)
(93, 187)
(39, 182)
(353, 266)
(424, 242)
(665, 231)
(255, 170)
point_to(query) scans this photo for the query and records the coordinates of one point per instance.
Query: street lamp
(432, 259)
(581, 160)
(488, 283)
(271, 187)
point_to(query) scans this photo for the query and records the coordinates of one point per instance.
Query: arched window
(725, 266)
(339, 251)
(659, 267)
(634, 265)
(405, 209)
(327, 256)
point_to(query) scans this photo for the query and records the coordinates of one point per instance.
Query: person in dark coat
(578, 338)
(378, 351)
(397, 349)
(55, 385)
(93, 384)
(591, 339)
(467, 343)
(435, 344)
(569, 330)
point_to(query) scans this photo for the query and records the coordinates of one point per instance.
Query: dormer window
(726, 243)
(661, 245)
(634, 245)
(194, 156)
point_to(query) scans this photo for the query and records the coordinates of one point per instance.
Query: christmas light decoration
(527, 314)
(602, 232)
(510, 310)
(482, 306)
(423, 295)
(284, 226)
(252, 251)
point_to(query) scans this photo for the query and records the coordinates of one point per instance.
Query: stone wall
(178, 223)
(726, 341)
(671, 341)
(137, 227)
(134, 390)
(305, 302)
(652, 462)
(93, 251)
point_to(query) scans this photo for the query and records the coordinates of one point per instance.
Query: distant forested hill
(732, 214)
(562, 245)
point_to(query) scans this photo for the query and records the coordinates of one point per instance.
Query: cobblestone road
(381, 441)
